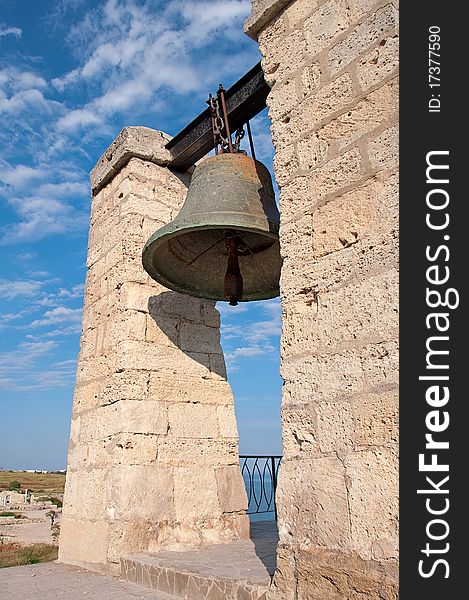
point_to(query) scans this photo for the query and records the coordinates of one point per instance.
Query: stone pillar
(332, 68)
(153, 454)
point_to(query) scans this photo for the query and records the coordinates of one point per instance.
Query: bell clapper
(233, 287)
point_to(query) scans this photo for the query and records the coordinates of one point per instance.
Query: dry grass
(47, 483)
(14, 555)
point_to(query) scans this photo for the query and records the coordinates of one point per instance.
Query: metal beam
(244, 100)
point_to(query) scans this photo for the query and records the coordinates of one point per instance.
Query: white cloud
(246, 351)
(24, 357)
(131, 56)
(26, 255)
(40, 217)
(9, 290)
(20, 176)
(16, 31)
(65, 364)
(225, 309)
(75, 292)
(78, 119)
(61, 314)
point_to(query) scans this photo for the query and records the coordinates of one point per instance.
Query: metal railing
(260, 477)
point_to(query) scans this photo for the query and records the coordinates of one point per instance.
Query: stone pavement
(55, 581)
(231, 571)
(226, 571)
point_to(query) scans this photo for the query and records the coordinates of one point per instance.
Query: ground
(34, 529)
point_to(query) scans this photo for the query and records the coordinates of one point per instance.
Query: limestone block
(305, 280)
(373, 506)
(136, 296)
(128, 226)
(297, 237)
(231, 489)
(380, 364)
(193, 420)
(94, 367)
(378, 64)
(326, 23)
(83, 541)
(377, 108)
(328, 100)
(324, 377)
(365, 311)
(359, 8)
(142, 142)
(227, 422)
(289, 51)
(99, 423)
(177, 451)
(376, 419)
(125, 385)
(137, 204)
(296, 197)
(198, 338)
(284, 584)
(209, 314)
(132, 449)
(300, 328)
(282, 99)
(263, 12)
(312, 151)
(86, 493)
(378, 250)
(190, 505)
(332, 575)
(312, 502)
(175, 305)
(128, 269)
(383, 150)
(297, 11)
(309, 79)
(170, 386)
(299, 431)
(86, 396)
(337, 174)
(124, 324)
(217, 366)
(142, 417)
(363, 36)
(137, 492)
(129, 537)
(147, 356)
(335, 426)
(285, 163)
(342, 222)
(165, 331)
(160, 186)
(282, 134)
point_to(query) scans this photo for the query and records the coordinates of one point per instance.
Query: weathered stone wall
(332, 66)
(153, 455)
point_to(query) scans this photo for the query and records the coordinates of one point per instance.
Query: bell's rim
(159, 237)
(168, 230)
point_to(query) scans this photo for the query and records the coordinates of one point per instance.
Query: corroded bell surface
(223, 244)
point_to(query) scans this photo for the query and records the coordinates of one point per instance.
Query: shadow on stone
(192, 325)
(264, 535)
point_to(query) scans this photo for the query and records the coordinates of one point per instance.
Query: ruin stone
(153, 454)
(332, 68)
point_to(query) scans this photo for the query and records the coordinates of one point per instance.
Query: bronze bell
(223, 244)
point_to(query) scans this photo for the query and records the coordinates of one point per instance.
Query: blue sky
(73, 73)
